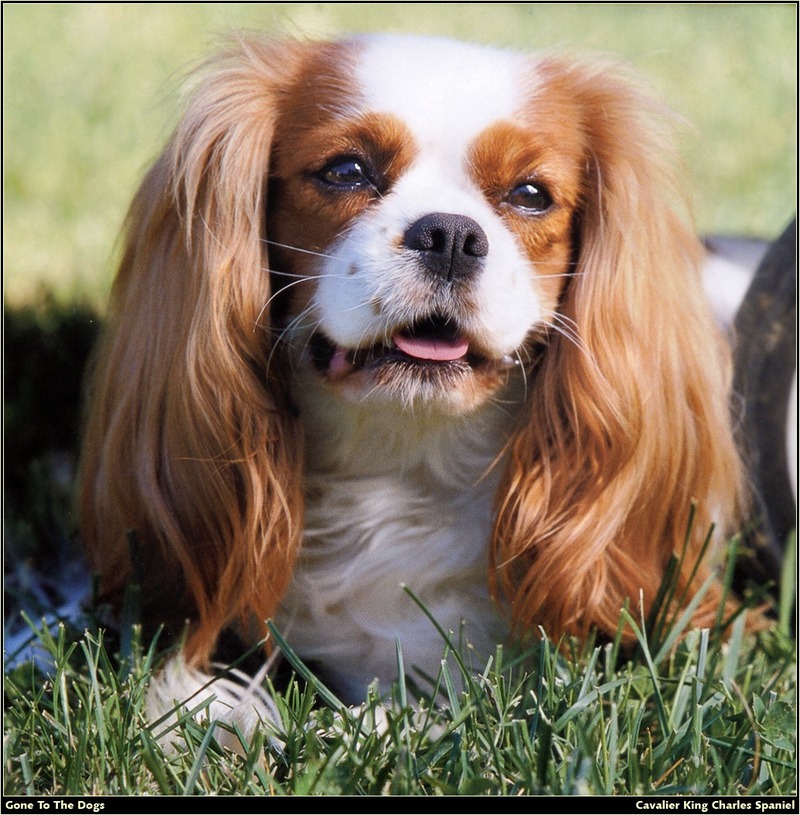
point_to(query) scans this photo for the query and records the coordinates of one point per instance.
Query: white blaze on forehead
(446, 92)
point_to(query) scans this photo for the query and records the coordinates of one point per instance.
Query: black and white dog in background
(753, 287)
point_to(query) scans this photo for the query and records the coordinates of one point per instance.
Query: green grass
(91, 92)
(695, 718)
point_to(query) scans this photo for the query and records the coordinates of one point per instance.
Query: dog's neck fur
(394, 497)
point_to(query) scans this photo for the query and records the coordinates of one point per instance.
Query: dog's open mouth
(431, 344)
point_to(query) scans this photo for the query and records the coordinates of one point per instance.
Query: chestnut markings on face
(535, 185)
(321, 135)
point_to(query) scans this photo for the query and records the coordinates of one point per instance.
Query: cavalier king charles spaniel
(397, 311)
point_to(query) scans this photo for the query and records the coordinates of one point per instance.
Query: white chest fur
(393, 499)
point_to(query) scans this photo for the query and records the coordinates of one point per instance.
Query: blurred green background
(91, 92)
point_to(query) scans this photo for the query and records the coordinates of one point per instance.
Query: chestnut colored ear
(628, 420)
(189, 443)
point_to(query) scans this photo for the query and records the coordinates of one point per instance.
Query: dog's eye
(348, 173)
(530, 197)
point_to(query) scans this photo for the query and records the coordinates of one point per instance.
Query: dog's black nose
(451, 247)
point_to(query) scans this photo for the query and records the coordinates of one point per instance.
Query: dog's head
(422, 206)
(411, 221)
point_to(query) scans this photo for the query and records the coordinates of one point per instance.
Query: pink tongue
(432, 350)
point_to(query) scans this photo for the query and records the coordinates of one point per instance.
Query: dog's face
(421, 214)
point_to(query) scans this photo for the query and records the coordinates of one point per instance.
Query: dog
(400, 312)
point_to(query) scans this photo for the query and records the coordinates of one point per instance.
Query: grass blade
(327, 695)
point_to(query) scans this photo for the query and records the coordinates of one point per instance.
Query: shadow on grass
(46, 349)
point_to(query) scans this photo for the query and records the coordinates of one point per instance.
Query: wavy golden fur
(629, 427)
(192, 443)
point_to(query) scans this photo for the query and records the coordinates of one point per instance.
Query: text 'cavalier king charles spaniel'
(404, 311)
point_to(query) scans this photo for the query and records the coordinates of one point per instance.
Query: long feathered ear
(628, 419)
(189, 443)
